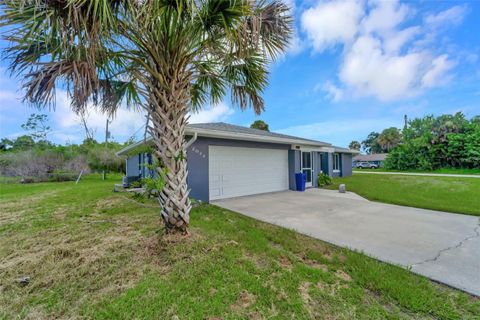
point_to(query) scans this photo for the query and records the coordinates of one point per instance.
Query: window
(306, 159)
(336, 162)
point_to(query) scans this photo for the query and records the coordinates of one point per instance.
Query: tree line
(33, 157)
(376, 142)
(428, 143)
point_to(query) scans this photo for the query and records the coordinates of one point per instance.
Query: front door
(307, 167)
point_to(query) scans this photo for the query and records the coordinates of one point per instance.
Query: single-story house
(374, 158)
(226, 161)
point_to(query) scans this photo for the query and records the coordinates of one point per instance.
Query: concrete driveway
(442, 246)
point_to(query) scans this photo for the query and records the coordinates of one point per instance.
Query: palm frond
(272, 25)
(94, 45)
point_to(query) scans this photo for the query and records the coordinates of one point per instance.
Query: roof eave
(253, 137)
(233, 136)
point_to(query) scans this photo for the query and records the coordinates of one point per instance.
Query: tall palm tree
(389, 138)
(169, 56)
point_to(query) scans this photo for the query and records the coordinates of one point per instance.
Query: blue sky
(353, 67)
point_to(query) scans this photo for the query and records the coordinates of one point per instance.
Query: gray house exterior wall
(197, 163)
(293, 167)
(346, 164)
(330, 165)
(317, 165)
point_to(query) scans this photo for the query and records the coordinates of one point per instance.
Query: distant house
(374, 158)
(225, 160)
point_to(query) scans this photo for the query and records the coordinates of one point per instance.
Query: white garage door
(235, 172)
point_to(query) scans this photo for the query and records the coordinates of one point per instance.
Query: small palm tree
(169, 56)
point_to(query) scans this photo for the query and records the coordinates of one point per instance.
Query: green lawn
(459, 195)
(91, 253)
(443, 170)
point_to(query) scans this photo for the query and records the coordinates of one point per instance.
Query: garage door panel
(235, 172)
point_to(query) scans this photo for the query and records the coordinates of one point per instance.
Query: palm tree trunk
(168, 109)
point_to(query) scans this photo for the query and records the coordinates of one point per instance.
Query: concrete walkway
(442, 246)
(422, 174)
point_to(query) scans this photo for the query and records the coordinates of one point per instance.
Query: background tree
(389, 138)
(37, 125)
(24, 142)
(370, 144)
(354, 145)
(260, 124)
(169, 57)
(5, 144)
(437, 142)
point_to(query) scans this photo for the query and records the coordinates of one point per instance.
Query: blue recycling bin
(300, 180)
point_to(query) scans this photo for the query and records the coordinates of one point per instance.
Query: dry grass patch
(314, 264)
(343, 275)
(285, 263)
(84, 260)
(108, 263)
(245, 300)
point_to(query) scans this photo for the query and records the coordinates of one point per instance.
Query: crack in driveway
(476, 230)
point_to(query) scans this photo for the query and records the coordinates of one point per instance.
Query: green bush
(136, 184)
(153, 185)
(429, 143)
(323, 180)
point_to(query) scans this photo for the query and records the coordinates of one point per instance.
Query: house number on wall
(200, 153)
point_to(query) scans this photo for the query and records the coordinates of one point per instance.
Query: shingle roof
(230, 131)
(226, 127)
(371, 157)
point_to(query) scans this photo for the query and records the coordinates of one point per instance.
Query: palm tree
(169, 57)
(354, 145)
(389, 138)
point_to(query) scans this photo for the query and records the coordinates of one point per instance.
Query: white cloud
(380, 58)
(7, 97)
(368, 71)
(333, 92)
(384, 16)
(451, 16)
(437, 73)
(219, 112)
(395, 41)
(123, 125)
(331, 23)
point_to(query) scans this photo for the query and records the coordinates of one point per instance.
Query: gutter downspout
(191, 141)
